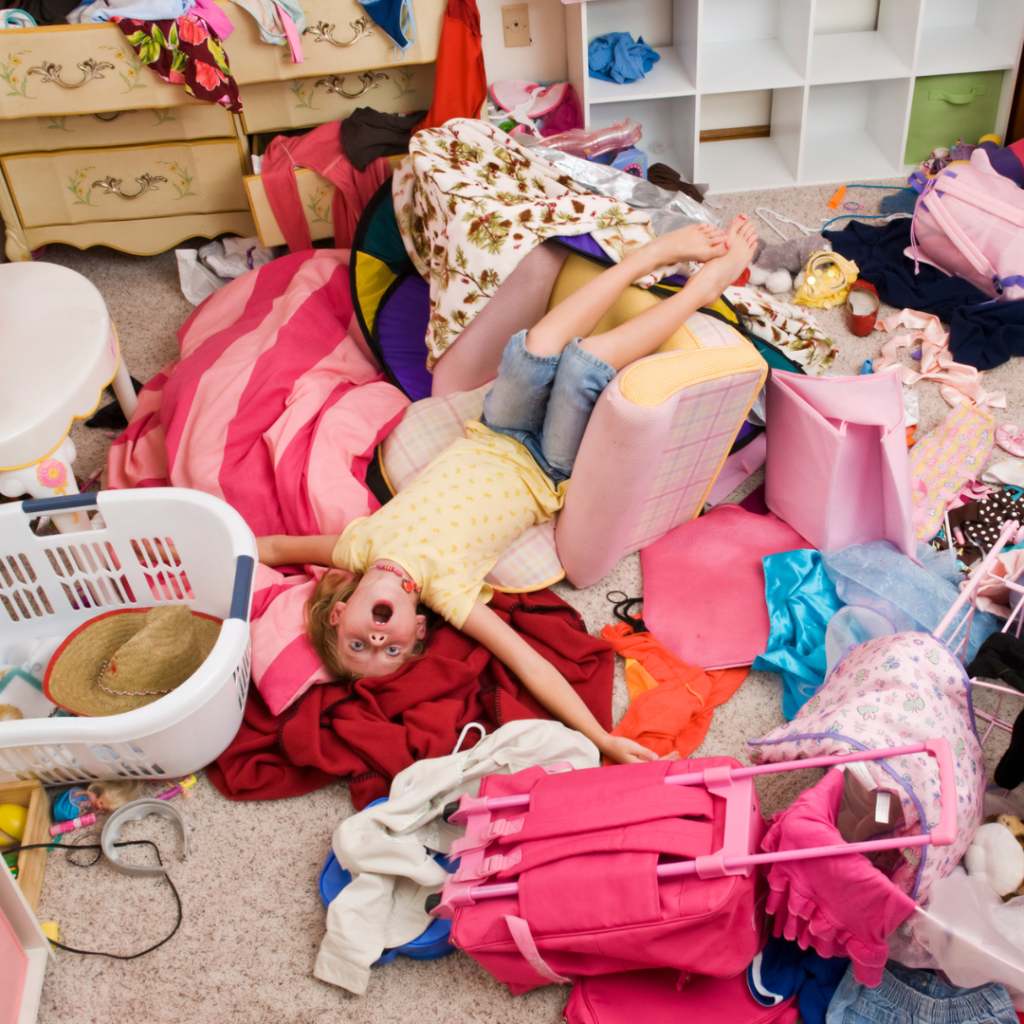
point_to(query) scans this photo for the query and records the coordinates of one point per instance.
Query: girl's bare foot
(697, 242)
(720, 271)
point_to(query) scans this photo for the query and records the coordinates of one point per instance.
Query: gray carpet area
(252, 917)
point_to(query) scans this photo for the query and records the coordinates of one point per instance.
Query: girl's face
(378, 625)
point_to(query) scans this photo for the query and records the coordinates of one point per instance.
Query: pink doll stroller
(630, 866)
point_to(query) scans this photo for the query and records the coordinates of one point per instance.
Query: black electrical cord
(96, 846)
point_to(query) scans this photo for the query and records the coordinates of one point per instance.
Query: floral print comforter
(471, 202)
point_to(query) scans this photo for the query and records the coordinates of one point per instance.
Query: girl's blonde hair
(332, 588)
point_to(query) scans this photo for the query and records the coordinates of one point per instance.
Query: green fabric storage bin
(950, 107)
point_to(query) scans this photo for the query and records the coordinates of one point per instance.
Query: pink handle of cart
(721, 862)
(945, 832)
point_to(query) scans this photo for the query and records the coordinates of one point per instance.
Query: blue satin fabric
(801, 601)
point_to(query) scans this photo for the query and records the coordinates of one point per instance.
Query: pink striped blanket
(275, 406)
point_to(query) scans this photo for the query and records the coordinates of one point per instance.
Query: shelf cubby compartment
(969, 35)
(672, 75)
(857, 52)
(855, 130)
(753, 44)
(669, 128)
(731, 165)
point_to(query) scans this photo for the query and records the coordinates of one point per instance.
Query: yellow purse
(827, 280)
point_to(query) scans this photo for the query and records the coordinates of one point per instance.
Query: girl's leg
(643, 334)
(519, 397)
(588, 365)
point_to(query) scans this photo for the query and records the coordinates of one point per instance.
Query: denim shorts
(908, 996)
(545, 402)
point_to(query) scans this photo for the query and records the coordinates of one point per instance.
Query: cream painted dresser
(95, 149)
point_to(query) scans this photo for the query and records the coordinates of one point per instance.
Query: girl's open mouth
(381, 614)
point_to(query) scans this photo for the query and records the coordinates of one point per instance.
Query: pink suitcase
(573, 873)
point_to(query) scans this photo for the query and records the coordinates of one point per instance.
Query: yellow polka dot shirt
(449, 525)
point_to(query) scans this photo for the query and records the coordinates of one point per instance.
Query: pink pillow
(704, 585)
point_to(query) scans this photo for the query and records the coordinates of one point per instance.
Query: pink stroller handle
(734, 857)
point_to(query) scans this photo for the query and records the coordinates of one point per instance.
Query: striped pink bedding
(275, 405)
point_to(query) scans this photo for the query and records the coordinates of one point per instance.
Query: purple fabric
(401, 332)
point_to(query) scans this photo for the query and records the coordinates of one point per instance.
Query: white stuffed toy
(774, 265)
(997, 855)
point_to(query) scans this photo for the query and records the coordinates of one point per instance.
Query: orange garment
(460, 81)
(675, 714)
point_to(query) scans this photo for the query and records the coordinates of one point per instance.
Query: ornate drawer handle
(336, 83)
(113, 116)
(50, 72)
(324, 33)
(113, 185)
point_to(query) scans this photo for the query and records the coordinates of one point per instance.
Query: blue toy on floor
(431, 945)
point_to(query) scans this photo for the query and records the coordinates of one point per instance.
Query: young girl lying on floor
(437, 539)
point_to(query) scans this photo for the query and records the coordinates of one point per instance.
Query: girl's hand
(621, 750)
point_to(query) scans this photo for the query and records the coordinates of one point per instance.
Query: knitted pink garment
(840, 906)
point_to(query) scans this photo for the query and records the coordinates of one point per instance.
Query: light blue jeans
(545, 402)
(906, 996)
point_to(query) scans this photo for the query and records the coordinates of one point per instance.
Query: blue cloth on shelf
(782, 969)
(617, 58)
(801, 602)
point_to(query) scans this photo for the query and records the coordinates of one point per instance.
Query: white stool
(58, 351)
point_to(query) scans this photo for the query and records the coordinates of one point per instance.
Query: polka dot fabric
(450, 524)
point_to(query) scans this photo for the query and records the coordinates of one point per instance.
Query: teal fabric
(801, 602)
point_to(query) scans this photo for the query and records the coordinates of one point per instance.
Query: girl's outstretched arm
(280, 549)
(550, 688)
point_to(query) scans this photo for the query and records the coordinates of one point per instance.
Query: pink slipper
(1010, 438)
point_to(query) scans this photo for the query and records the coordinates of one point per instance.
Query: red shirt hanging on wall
(460, 81)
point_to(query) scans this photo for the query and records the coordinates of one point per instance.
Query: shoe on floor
(862, 303)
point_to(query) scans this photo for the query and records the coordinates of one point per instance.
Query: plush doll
(997, 855)
(774, 265)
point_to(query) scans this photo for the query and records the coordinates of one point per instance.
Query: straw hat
(126, 659)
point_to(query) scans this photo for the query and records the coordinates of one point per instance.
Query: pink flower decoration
(208, 76)
(52, 473)
(192, 30)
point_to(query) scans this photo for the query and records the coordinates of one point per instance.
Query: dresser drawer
(127, 183)
(358, 44)
(119, 128)
(271, 106)
(316, 195)
(76, 69)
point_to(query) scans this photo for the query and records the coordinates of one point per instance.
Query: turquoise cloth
(801, 602)
(617, 58)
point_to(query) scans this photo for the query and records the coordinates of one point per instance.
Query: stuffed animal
(997, 855)
(774, 265)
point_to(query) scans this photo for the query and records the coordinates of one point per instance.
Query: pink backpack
(597, 915)
(628, 867)
(968, 221)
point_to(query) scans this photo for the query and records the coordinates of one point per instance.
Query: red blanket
(371, 731)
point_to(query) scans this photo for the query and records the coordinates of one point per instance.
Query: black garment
(1009, 773)
(878, 253)
(367, 134)
(986, 336)
(47, 12)
(664, 177)
(1001, 657)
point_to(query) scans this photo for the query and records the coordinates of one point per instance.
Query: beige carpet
(253, 919)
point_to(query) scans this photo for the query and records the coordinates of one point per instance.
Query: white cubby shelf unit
(837, 76)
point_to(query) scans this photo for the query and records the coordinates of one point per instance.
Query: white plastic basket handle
(245, 565)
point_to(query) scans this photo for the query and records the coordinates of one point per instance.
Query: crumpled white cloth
(387, 847)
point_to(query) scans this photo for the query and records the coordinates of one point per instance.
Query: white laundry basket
(161, 545)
